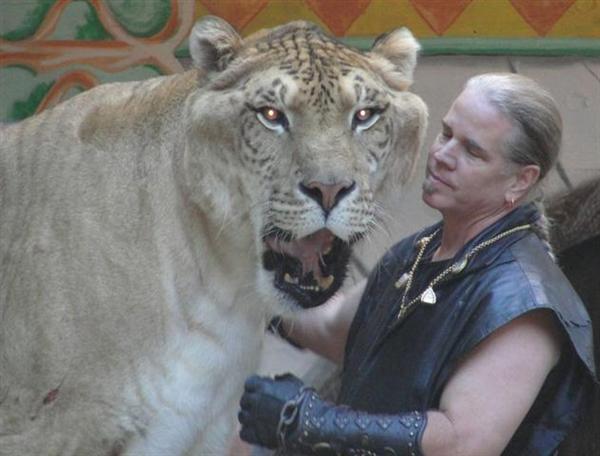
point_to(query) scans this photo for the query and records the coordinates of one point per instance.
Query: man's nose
(445, 154)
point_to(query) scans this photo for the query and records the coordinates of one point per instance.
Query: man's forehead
(466, 139)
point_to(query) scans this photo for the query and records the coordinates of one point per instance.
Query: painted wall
(426, 18)
(53, 49)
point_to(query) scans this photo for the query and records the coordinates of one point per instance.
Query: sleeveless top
(396, 365)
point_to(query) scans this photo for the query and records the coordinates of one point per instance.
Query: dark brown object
(575, 235)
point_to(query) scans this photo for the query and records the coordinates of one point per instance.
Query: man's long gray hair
(538, 125)
(534, 113)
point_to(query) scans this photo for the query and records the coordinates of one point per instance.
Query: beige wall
(574, 82)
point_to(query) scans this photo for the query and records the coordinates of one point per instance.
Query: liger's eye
(363, 115)
(271, 114)
(272, 118)
(365, 118)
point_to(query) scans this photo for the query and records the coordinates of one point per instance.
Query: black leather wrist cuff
(276, 327)
(322, 428)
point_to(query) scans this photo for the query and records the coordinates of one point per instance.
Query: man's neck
(458, 230)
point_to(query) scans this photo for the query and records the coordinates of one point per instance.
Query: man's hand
(261, 406)
(271, 411)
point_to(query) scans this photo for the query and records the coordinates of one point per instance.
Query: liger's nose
(327, 195)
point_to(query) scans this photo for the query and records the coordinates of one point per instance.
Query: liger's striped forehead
(311, 57)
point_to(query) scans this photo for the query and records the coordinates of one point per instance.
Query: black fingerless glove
(303, 423)
(261, 406)
(275, 326)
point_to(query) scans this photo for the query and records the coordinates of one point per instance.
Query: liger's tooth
(309, 288)
(289, 279)
(325, 282)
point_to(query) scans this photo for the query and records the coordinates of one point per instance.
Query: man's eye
(365, 118)
(473, 152)
(272, 118)
(445, 135)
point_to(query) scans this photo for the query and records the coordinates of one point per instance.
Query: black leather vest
(394, 365)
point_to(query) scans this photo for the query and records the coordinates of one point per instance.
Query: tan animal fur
(133, 297)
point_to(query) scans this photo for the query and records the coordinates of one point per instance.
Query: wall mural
(53, 49)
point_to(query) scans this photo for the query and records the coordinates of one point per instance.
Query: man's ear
(525, 178)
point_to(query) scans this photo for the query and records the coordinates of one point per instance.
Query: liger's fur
(133, 297)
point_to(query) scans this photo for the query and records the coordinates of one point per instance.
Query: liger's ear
(400, 49)
(213, 43)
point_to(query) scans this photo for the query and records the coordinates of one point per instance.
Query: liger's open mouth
(310, 269)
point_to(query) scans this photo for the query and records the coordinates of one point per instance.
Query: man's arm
(493, 388)
(482, 405)
(324, 329)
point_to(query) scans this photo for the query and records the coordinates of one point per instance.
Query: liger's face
(467, 173)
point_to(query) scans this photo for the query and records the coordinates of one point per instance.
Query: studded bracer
(311, 426)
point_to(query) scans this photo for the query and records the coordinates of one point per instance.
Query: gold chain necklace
(428, 296)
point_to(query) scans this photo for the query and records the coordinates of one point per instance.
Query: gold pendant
(401, 282)
(428, 296)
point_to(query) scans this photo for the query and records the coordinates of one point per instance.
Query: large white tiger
(148, 231)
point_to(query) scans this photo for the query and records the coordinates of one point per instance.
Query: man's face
(467, 174)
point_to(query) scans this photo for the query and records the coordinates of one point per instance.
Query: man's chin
(427, 187)
(429, 197)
